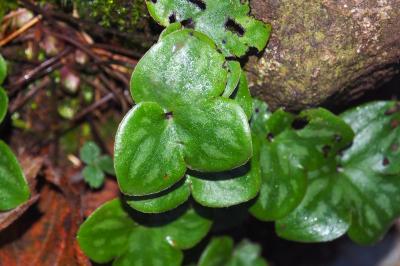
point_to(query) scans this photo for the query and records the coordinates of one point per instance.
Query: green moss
(123, 15)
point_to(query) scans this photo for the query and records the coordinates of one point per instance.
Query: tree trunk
(324, 48)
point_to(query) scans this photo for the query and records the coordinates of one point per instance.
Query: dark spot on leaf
(172, 18)
(199, 3)
(325, 150)
(223, 41)
(299, 123)
(270, 137)
(337, 138)
(234, 27)
(257, 110)
(166, 177)
(385, 161)
(169, 115)
(394, 123)
(188, 23)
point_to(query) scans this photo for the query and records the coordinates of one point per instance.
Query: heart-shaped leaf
(220, 252)
(153, 148)
(14, 189)
(227, 22)
(90, 152)
(3, 104)
(181, 68)
(114, 232)
(357, 190)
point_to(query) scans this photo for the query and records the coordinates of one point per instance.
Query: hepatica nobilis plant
(14, 188)
(196, 140)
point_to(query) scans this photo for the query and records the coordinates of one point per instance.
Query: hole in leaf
(188, 23)
(199, 3)
(257, 110)
(385, 161)
(172, 18)
(154, 1)
(300, 123)
(234, 27)
(393, 110)
(168, 115)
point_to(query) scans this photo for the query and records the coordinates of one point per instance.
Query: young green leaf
(14, 189)
(114, 232)
(90, 152)
(94, 176)
(356, 190)
(220, 252)
(227, 22)
(3, 104)
(106, 164)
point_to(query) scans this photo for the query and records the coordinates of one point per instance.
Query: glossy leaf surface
(243, 97)
(234, 74)
(227, 22)
(182, 67)
(357, 190)
(14, 189)
(230, 188)
(112, 232)
(153, 150)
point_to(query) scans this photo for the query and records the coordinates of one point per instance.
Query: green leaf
(243, 97)
(220, 252)
(356, 190)
(90, 152)
(227, 22)
(289, 155)
(153, 148)
(215, 135)
(234, 74)
(181, 68)
(171, 28)
(106, 164)
(218, 190)
(3, 104)
(148, 156)
(260, 116)
(114, 232)
(217, 252)
(3, 69)
(94, 176)
(163, 201)
(14, 189)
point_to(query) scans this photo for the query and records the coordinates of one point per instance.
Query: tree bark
(323, 48)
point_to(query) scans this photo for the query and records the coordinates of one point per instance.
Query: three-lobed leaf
(113, 232)
(181, 121)
(14, 188)
(228, 23)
